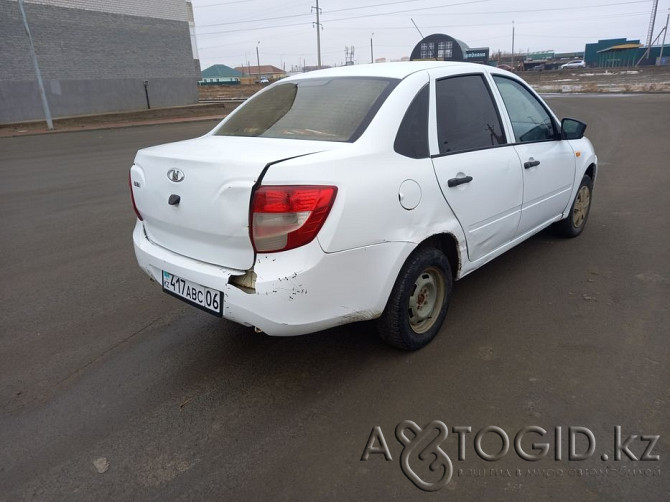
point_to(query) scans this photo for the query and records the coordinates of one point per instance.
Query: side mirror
(572, 129)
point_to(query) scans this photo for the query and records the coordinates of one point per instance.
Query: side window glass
(530, 120)
(467, 118)
(412, 138)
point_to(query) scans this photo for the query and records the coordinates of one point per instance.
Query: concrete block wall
(93, 60)
(175, 10)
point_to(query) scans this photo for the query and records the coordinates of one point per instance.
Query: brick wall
(98, 54)
(175, 10)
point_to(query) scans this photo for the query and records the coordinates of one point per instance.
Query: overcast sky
(228, 31)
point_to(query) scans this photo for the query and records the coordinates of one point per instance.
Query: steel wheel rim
(581, 207)
(426, 300)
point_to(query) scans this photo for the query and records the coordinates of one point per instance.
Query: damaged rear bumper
(293, 292)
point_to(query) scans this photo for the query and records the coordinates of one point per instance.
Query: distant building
(591, 57)
(96, 56)
(260, 72)
(440, 47)
(220, 74)
(314, 68)
(549, 60)
(622, 52)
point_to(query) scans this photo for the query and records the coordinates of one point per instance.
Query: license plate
(199, 296)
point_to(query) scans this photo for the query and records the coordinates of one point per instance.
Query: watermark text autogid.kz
(425, 462)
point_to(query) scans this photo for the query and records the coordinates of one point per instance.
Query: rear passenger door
(478, 170)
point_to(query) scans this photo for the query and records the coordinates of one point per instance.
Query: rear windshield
(324, 109)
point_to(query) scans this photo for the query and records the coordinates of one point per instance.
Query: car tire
(574, 224)
(419, 300)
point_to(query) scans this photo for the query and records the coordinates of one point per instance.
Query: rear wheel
(574, 224)
(418, 303)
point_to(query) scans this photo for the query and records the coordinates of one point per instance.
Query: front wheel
(574, 224)
(419, 300)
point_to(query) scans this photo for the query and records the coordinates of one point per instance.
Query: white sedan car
(579, 63)
(358, 193)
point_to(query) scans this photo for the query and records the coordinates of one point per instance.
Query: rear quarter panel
(369, 174)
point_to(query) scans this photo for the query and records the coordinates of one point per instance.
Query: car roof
(386, 70)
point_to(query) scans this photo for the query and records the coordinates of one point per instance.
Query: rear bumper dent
(296, 292)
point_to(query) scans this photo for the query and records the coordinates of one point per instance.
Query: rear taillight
(132, 197)
(287, 217)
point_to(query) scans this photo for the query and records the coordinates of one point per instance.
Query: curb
(12, 132)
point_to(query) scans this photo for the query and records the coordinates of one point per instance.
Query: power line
(385, 4)
(461, 25)
(333, 20)
(302, 15)
(273, 27)
(488, 12)
(552, 9)
(442, 26)
(348, 9)
(255, 20)
(221, 3)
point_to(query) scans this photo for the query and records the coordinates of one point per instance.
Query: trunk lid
(210, 222)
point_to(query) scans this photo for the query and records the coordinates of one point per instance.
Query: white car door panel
(489, 206)
(548, 162)
(548, 175)
(479, 174)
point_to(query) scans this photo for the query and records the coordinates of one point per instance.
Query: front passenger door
(548, 162)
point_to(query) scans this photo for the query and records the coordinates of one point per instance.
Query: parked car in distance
(358, 193)
(578, 63)
(264, 80)
(505, 67)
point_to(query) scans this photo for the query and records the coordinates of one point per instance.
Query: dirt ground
(227, 92)
(601, 80)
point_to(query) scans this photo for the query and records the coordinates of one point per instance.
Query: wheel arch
(591, 171)
(448, 244)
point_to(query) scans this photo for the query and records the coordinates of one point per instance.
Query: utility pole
(512, 44)
(40, 84)
(372, 54)
(318, 33)
(650, 33)
(648, 51)
(349, 55)
(665, 32)
(258, 62)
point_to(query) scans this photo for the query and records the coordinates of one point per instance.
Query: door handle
(531, 163)
(454, 182)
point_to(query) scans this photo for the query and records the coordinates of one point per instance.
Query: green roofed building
(620, 55)
(220, 74)
(616, 52)
(591, 56)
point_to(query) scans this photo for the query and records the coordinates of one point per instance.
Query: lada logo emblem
(175, 175)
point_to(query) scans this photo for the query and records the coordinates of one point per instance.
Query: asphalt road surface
(112, 390)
